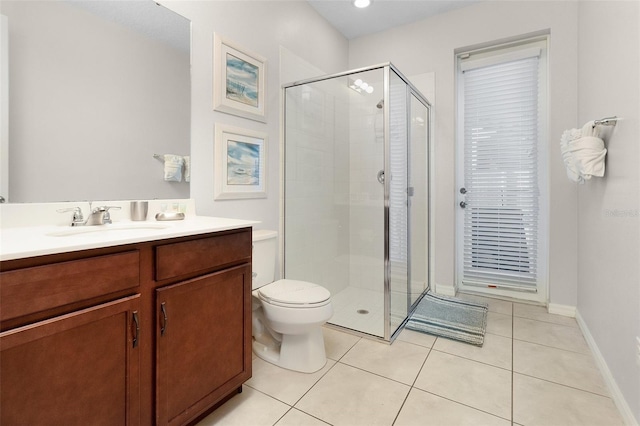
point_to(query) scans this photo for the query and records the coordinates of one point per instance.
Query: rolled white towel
(590, 153)
(583, 153)
(173, 167)
(187, 168)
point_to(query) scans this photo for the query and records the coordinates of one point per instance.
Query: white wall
(428, 46)
(262, 27)
(91, 101)
(609, 207)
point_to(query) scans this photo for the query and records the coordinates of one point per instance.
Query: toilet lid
(294, 293)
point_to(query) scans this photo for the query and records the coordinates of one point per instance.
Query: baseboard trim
(564, 310)
(616, 393)
(445, 290)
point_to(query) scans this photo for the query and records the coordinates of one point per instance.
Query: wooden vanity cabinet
(149, 333)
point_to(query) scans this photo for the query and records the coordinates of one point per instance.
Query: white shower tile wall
(366, 237)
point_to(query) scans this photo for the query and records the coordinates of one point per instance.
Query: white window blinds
(501, 128)
(398, 225)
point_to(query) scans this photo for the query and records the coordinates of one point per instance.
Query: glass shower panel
(419, 199)
(334, 204)
(398, 201)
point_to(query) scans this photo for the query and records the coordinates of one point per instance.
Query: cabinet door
(77, 369)
(203, 343)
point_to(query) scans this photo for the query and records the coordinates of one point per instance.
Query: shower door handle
(380, 176)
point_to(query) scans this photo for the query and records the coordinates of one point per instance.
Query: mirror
(96, 88)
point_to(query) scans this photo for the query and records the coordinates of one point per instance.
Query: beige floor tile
(495, 305)
(285, 385)
(471, 383)
(556, 365)
(298, 418)
(495, 351)
(539, 313)
(337, 343)
(500, 324)
(538, 402)
(548, 334)
(400, 361)
(417, 338)
(425, 409)
(349, 396)
(248, 408)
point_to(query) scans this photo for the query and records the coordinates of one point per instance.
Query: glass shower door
(398, 202)
(419, 200)
(408, 199)
(334, 194)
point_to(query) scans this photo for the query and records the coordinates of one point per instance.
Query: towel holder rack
(607, 121)
(159, 157)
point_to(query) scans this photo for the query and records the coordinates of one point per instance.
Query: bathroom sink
(109, 229)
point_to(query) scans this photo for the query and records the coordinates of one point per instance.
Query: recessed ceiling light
(361, 3)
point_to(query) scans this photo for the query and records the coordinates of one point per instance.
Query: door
(74, 369)
(501, 194)
(203, 342)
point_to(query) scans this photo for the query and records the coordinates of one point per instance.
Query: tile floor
(534, 369)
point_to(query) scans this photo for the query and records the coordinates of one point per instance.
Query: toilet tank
(264, 257)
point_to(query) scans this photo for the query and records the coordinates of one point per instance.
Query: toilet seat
(294, 294)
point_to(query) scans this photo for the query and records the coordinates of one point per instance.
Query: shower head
(380, 104)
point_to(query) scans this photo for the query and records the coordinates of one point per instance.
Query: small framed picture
(238, 80)
(240, 163)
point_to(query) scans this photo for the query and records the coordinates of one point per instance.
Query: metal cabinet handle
(380, 176)
(137, 323)
(165, 320)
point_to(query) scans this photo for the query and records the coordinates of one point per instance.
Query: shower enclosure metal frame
(388, 67)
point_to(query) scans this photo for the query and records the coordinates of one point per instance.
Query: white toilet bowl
(287, 324)
(287, 314)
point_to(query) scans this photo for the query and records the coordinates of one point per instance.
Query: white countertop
(28, 241)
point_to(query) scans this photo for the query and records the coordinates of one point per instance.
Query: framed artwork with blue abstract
(240, 163)
(238, 80)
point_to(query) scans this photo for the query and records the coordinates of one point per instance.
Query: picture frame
(238, 80)
(240, 163)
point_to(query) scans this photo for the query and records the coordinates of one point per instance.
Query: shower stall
(356, 194)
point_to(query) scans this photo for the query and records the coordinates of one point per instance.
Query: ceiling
(381, 15)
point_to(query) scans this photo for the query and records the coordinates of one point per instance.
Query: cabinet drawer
(30, 290)
(173, 260)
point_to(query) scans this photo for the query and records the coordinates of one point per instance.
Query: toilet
(287, 314)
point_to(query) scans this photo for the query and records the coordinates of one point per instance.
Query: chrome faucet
(77, 219)
(98, 216)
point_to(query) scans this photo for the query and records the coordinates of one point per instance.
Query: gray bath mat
(450, 317)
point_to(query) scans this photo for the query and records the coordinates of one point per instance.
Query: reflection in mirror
(96, 88)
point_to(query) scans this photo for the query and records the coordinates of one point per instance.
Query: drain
(362, 311)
